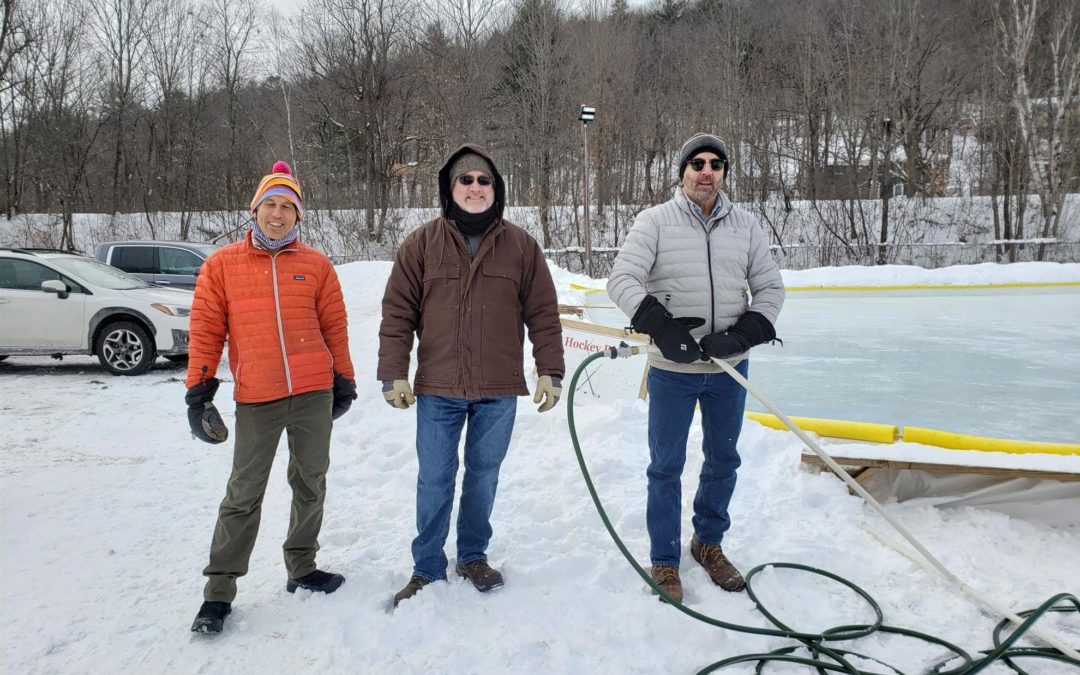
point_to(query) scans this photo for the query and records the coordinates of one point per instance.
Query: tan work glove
(398, 393)
(548, 389)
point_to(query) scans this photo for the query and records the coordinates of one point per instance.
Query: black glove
(203, 418)
(750, 330)
(670, 335)
(344, 395)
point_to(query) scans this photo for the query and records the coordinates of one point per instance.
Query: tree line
(144, 106)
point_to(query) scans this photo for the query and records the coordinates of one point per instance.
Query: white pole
(585, 192)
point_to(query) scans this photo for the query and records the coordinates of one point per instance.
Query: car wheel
(177, 358)
(124, 348)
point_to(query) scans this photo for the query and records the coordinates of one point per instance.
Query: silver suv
(54, 303)
(165, 263)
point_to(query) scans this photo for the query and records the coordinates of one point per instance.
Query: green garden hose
(823, 657)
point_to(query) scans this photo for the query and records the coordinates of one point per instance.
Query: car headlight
(172, 310)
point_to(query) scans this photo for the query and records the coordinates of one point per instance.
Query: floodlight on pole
(588, 114)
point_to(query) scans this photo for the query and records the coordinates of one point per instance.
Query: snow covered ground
(107, 507)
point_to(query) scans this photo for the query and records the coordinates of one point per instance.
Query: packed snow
(108, 507)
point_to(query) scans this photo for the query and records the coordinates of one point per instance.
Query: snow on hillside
(914, 222)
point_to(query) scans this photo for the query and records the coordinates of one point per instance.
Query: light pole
(588, 114)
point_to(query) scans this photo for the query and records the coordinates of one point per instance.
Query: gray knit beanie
(698, 143)
(469, 162)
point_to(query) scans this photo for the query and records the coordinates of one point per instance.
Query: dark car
(165, 263)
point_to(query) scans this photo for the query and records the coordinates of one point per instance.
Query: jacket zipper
(280, 325)
(708, 260)
(474, 267)
(712, 289)
(463, 310)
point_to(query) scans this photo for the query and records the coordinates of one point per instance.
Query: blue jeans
(672, 399)
(439, 421)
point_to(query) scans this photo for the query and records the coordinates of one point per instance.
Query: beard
(701, 193)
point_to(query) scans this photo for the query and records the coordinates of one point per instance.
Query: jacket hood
(445, 192)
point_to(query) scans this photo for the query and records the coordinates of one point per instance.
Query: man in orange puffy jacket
(279, 305)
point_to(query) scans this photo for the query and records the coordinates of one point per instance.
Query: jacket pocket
(501, 329)
(502, 285)
(442, 287)
(438, 354)
(311, 369)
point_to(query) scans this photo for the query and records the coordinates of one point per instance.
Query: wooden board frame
(875, 463)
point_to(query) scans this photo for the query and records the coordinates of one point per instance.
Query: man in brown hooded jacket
(467, 285)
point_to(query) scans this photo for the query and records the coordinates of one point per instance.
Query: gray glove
(548, 389)
(398, 393)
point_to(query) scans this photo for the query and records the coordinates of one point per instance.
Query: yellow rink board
(887, 433)
(856, 431)
(954, 441)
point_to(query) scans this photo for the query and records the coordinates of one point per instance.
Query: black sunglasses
(468, 180)
(698, 163)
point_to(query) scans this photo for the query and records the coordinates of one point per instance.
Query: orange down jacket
(283, 316)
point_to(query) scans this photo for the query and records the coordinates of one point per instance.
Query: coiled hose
(822, 656)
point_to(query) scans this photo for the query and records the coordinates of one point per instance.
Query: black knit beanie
(698, 143)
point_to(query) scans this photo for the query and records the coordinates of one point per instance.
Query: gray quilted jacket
(709, 271)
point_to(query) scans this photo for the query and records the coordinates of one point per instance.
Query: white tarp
(1055, 503)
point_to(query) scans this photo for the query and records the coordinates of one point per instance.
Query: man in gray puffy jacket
(696, 275)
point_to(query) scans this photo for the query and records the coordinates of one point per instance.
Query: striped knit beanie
(279, 183)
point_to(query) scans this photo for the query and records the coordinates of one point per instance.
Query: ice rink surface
(996, 362)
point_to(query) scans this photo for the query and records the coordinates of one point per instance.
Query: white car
(54, 303)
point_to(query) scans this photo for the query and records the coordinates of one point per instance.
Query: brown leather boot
(720, 569)
(483, 576)
(667, 578)
(412, 588)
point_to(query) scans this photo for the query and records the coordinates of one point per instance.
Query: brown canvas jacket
(469, 316)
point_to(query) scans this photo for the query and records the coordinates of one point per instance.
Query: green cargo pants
(306, 419)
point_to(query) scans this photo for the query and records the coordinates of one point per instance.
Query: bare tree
(470, 22)
(20, 28)
(929, 82)
(17, 33)
(227, 32)
(176, 90)
(463, 65)
(64, 126)
(364, 104)
(1042, 120)
(118, 34)
(662, 80)
(531, 90)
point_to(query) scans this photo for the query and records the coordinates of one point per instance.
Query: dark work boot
(720, 569)
(667, 578)
(412, 588)
(483, 576)
(211, 617)
(317, 581)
